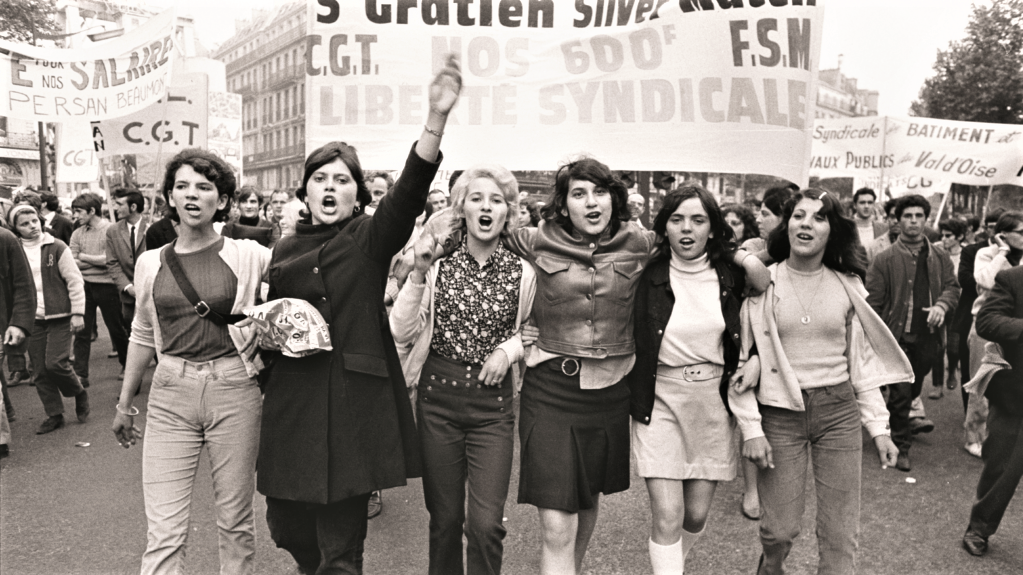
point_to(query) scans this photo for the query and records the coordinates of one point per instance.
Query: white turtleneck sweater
(694, 331)
(34, 255)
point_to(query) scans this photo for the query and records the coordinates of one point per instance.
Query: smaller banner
(972, 153)
(104, 80)
(177, 122)
(898, 186)
(76, 158)
(225, 128)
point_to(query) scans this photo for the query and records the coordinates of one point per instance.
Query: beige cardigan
(875, 359)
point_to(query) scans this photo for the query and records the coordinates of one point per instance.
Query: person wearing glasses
(338, 425)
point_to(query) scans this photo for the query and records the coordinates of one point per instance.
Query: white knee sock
(689, 539)
(667, 559)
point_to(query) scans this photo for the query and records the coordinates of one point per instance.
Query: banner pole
(941, 208)
(111, 214)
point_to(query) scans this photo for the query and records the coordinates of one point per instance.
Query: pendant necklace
(806, 312)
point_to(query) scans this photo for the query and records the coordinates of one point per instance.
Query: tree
(980, 78)
(22, 20)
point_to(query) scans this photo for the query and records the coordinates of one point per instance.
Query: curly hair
(750, 229)
(721, 244)
(211, 167)
(502, 178)
(842, 251)
(589, 170)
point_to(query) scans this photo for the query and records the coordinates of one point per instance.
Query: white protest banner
(95, 82)
(76, 158)
(898, 186)
(170, 125)
(697, 85)
(971, 153)
(225, 132)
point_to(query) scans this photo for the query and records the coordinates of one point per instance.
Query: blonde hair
(504, 180)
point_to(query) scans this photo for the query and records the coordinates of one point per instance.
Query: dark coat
(160, 234)
(340, 424)
(61, 228)
(963, 320)
(654, 304)
(1000, 320)
(17, 287)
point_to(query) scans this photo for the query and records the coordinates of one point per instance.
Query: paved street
(79, 510)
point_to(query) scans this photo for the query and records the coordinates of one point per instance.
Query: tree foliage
(20, 20)
(980, 78)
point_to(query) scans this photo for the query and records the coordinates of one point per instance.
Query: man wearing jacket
(1000, 320)
(913, 287)
(125, 243)
(17, 313)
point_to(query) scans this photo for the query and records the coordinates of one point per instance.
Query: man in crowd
(125, 243)
(1000, 320)
(438, 200)
(277, 200)
(863, 214)
(637, 205)
(17, 315)
(964, 314)
(912, 286)
(61, 225)
(885, 241)
(89, 248)
(379, 185)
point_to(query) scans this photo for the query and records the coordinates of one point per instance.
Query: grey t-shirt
(185, 334)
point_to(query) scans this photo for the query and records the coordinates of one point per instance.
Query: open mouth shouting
(328, 205)
(192, 210)
(687, 243)
(486, 222)
(593, 217)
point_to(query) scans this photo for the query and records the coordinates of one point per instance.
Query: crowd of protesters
(724, 340)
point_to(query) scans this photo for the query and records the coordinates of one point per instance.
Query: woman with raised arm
(204, 390)
(574, 407)
(339, 425)
(460, 316)
(824, 355)
(687, 350)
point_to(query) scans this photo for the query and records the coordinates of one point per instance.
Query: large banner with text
(890, 147)
(95, 82)
(724, 86)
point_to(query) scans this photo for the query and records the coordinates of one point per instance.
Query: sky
(887, 45)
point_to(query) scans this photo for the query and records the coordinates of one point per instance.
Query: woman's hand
(494, 368)
(758, 450)
(125, 431)
(886, 451)
(529, 334)
(77, 323)
(446, 86)
(747, 377)
(758, 277)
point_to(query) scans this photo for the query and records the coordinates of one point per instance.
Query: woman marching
(461, 317)
(687, 349)
(825, 354)
(574, 407)
(204, 391)
(339, 425)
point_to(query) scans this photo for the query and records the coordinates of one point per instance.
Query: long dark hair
(211, 167)
(328, 153)
(840, 253)
(720, 246)
(600, 175)
(750, 229)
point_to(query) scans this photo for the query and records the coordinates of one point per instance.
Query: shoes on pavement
(375, 506)
(52, 423)
(953, 379)
(120, 376)
(19, 377)
(936, 393)
(112, 353)
(974, 543)
(902, 463)
(752, 514)
(975, 449)
(921, 425)
(82, 406)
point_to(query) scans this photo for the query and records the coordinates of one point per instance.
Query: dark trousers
(1003, 468)
(3, 387)
(323, 539)
(922, 356)
(965, 374)
(15, 355)
(49, 346)
(105, 297)
(466, 431)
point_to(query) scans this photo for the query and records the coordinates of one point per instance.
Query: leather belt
(694, 372)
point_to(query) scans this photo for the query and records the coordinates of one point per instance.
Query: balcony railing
(283, 77)
(276, 154)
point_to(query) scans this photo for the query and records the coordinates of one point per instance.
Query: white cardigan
(247, 259)
(412, 323)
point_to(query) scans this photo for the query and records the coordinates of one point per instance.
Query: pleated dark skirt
(574, 442)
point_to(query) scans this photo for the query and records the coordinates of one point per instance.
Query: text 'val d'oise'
(91, 79)
(762, 42)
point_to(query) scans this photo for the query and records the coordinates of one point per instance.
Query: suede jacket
(654, 305)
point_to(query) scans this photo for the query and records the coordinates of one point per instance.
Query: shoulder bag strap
(201, 307)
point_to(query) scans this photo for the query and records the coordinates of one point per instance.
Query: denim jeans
(218, 405)
(49, 346)
(828, 435)
(1003, 468)
(105, 297)
(466, 431)
(323, 539)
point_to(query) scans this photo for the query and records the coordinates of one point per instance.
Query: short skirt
(574, 442)
(690, 435)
